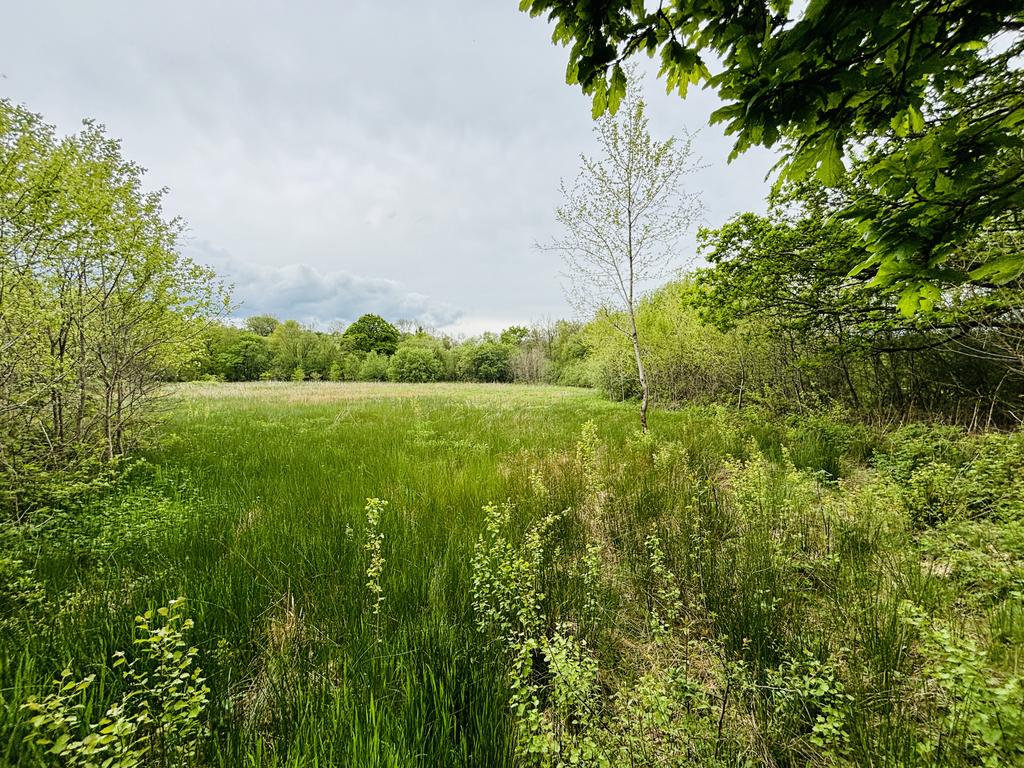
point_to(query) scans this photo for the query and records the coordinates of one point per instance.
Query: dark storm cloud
(419, 145)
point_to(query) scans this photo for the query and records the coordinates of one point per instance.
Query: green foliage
(350, 367)
(944, 473)
(931, 91)
(291, 345)
(786, 276)
(415, 364)
(262, 325)
(246, 359)
(805, 691)
(374, 547)
(488, 361)
(710, 593)
(21, 592)
(686, 359)
(158, 719)
(375, 367)
(506, 578)
(984, 558)
(555, 353)
(981, 713)
(666, 602)
(514, 335)
(372, 333)
(97, 305)
(588, 460)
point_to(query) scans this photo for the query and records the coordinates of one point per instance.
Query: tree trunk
(644, 391)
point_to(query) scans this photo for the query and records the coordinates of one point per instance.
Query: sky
(335, 158)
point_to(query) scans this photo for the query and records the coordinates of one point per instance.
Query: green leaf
(600, 97)
(830, 167)
(909, 301)
(617, 92)
(1001, 270)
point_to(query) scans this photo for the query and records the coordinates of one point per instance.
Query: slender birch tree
(623, 218)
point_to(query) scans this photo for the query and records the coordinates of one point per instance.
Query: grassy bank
(732, 590)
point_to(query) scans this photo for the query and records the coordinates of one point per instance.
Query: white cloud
(319, 298)
(415, 143)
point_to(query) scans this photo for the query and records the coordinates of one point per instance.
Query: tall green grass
(251, 505)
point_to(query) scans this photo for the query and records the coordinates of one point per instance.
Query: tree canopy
(372, 333)
(97, 304)
(927, 95)
(623, 218)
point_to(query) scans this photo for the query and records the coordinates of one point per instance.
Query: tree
(931, 93)
(413, 363)
(843, 337)
(487, 361)
(246, 358)
(623, 218)
(291, 345)
(372, 333)
(687, 360)
(514, 335)
(97, 305)
(374, 367)
(262, 325)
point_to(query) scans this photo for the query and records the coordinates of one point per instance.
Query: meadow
(535, 583)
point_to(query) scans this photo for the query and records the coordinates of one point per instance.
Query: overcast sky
(333, 158)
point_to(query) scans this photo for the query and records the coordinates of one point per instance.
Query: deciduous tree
(372, 333)
(97, 304)
(623, 218)
(931, 94)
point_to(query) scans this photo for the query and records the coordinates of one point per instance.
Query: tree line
(264, 348)
(887, 277)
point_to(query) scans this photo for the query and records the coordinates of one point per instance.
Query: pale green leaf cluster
(97, 304)
(157, 720)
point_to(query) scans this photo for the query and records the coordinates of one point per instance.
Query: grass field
(729, 591)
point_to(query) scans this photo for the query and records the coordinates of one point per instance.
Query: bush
(351, 364)
(576, 374)
(415, 364)
(945, 473)
(159, 719)
(374, 368)
(487, 361)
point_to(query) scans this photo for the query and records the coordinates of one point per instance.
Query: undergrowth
(542, 586)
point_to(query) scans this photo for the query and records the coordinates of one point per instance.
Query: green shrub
(829, 442)
(488, 361)
(945, 473)
(158, 719)
(415, 364)
(351, 364)
(576, 373)
(982, 713)
(374, 368)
